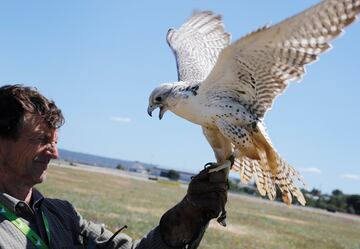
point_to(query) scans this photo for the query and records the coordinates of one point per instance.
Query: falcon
(227, 88)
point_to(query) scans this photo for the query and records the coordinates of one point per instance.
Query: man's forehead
(34, 123)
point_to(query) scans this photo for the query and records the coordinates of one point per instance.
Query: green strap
(46, 224)
(25, 229)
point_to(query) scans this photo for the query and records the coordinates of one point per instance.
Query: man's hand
(208, 192)
(206, 197)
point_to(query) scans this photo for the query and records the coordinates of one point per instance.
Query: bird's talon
(209, 165)
(216, 167)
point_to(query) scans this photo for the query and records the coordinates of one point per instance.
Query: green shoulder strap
(25, 229)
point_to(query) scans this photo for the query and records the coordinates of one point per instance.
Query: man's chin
(41, 178)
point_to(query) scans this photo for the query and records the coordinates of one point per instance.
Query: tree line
(337, 201)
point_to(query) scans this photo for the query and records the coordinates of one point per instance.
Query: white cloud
(311, 170)
(351, 177)
(121, 119)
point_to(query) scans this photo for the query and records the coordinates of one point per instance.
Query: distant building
(155, 171)
(184, 176)
(138, 168)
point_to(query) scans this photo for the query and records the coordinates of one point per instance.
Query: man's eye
(43, 140)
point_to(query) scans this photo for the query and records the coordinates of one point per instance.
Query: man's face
(26, 159)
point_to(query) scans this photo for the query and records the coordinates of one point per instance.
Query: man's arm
(96, 236)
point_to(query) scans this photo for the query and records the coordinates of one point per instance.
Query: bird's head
(159, 99)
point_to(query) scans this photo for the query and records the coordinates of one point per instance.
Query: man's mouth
(41, 160)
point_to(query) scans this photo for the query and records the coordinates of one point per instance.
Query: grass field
(252, 223)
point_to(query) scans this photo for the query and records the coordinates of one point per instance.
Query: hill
(99, 161)
(134, 166)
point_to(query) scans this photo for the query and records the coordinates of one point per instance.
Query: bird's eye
(158, 99)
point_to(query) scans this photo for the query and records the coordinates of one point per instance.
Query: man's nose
(55, 154)
(52, 150)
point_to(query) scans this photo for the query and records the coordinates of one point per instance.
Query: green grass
(252, 223)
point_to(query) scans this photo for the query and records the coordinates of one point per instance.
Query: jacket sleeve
(96, 236)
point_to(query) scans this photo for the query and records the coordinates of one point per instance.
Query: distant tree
(233, 185)
(320, 203)
(337, 192)
(173, 175)
(350, 210)
(120, 167)
(353, 202)
(338, 202)
(315, 192)
(249, 190)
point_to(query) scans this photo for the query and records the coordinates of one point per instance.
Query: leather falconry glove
(183, 225)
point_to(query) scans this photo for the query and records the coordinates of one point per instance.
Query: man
(28, 141)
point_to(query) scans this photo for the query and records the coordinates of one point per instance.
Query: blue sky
(99, 61)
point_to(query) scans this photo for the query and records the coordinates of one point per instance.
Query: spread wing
(257, 68)
(197, 44)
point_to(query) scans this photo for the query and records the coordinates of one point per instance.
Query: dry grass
(253, 224)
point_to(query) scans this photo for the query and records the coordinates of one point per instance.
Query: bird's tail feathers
(286, 178)
(269, 170)
(249, 168)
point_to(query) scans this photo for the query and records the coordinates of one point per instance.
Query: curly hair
(16, 101)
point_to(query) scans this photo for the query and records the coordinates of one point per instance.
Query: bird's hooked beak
(162, 108)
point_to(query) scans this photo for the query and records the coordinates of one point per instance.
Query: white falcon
(227, 88)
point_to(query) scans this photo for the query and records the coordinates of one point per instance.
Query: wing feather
(257, 68)
(197, 44)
